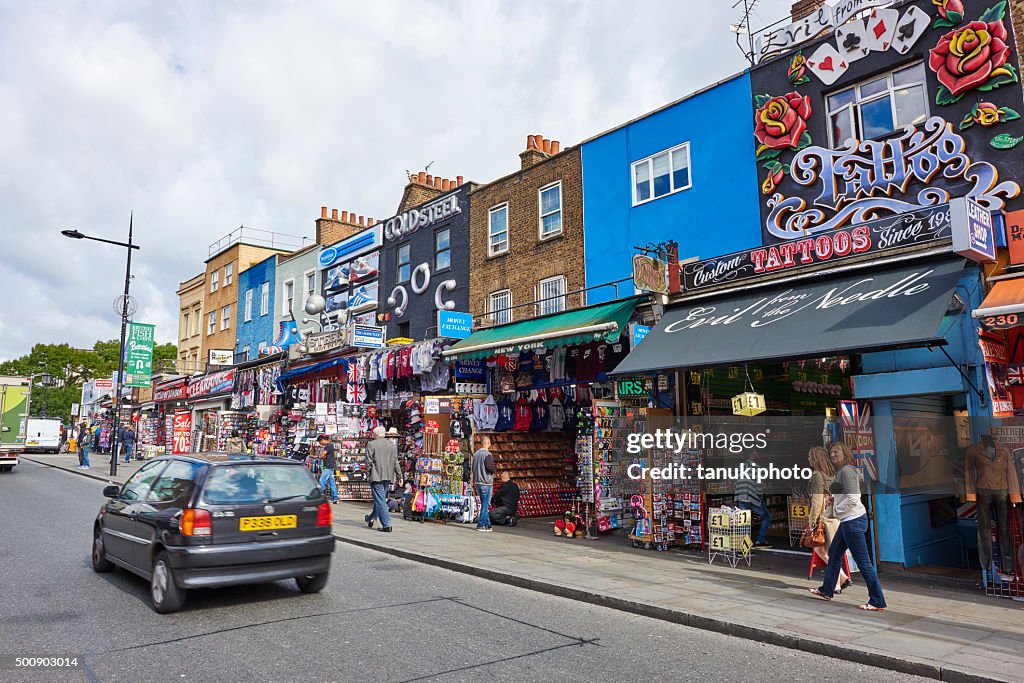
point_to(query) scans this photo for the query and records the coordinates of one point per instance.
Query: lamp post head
(315, 305)
(73, 234)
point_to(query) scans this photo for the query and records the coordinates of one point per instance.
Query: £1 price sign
(182, 433)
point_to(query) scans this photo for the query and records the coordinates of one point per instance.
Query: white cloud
(203, 116)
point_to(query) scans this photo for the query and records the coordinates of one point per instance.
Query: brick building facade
(526, 236)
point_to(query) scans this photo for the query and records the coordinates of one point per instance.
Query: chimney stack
(804, 8)
(538, 148)
(423, 187)
(334, 229)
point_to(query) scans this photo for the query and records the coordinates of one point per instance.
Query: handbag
(814, 535)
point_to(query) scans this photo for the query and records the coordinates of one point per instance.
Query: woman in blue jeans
(853, 525)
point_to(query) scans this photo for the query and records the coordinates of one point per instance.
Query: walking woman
(853, 525)
(823, 474)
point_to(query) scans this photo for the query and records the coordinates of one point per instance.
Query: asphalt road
(380, 618)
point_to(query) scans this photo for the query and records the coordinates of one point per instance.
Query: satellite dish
(315, 305)
(119, 307)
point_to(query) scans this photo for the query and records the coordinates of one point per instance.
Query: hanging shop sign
(181, 433)
(213, 383)
(748, 403)
(368, 336)
(634, 387)
(408, 222)
(640, 333)
(650, 274)
(887, 234)
(348, 249)
(172, 391)
(973, 234)
(322, 342)
(222, 357)
(996, 356)
(454, 325)
(471, 370)
(825, 18)
(138, 355)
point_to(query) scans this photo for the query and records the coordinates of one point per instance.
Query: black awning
(869, 309)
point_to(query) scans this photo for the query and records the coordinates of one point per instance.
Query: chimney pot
(334, 214)
(344, 216)
(530, 143)
(422, 176)
(547, 146)
(458, 181)
(362, 220)
(444, 184)
(555, 146)
(369, 220)
(437, 182)
(323, 212)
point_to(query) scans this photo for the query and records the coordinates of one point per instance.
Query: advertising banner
(996, 355)
(213, 383)
(171, 391)
(182, 433)
(138, 355)
(368, 336)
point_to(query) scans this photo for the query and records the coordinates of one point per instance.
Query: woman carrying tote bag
(822, 477)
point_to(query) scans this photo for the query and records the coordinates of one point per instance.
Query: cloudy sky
(201, 116)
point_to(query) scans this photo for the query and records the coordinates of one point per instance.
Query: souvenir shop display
(255, 386)
(651, 515)
(230, 421)
(729, 535)
(610, 463)
(543, 466)
(148, 430)
(585, 467)
(205, 430)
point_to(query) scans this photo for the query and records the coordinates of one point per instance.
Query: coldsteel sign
(406, 223)
(919, 227)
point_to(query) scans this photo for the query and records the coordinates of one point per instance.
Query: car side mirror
(111, 491)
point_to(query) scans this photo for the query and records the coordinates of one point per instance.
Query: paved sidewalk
(949, 634)
(99, 465)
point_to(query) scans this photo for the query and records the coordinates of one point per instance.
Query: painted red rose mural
(780, 124)
(951, 13)
(973, 57)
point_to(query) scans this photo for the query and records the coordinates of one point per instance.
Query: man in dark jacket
(506, 502)
(483, 479)
(126, 437)
(382, 467)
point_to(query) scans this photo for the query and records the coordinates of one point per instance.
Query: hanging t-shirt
(557, 415)
(541, 415)
(524, 415)
(615, 355)
(572, 357)
(506, 416)
(586, 363)
(540, 368)
(556, 363)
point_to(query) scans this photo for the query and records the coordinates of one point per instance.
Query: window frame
(310, 284)
(247, 311)
(187, 324)
(196, 469)
(564, 296)
(215, 281)
(229, 274)
(399, 263)
(493, 312)
(649, 163)
(541, 215)
(438, 251)
(211, 323)
(264, 299)
(857, 116)
(225, 318)
(288, 300)
(491, 251)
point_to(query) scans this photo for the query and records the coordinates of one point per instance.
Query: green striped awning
(603, 321)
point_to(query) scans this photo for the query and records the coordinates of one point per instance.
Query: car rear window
(258, 483)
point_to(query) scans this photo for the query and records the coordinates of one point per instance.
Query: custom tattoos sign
(896, 110)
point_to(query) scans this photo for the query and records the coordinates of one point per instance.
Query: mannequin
(992, 483)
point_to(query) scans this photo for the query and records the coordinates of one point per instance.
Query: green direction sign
(138, 355)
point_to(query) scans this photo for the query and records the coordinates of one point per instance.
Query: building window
(288, 297)
(196, 320)
(211, 325)
(442, 250)
(265, 298)
(878, 107)
(310, 283)
(499, 305)
(229, 274)
(186, 329)
(248, 306)
(402, 267)
(661, 174)
(225, 317)
(403, 330)
(214, 281)
(551, 295)
(551, 210)
(245, 352)
(497, 230)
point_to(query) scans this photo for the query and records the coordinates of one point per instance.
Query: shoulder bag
(814, 534)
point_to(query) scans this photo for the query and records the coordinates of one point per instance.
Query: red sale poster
(182, 433)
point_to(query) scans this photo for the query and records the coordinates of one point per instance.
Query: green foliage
(70, 368)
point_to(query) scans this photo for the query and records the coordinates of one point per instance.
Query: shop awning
(286, 377)
(1004, 305)
(866, 310)
(603, 321)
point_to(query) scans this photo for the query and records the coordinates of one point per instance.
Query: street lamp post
(45, 379)
(76, 235)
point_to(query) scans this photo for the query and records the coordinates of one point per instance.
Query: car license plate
(271, 522)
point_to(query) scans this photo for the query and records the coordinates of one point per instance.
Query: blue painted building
(254, 329)
(684, 172)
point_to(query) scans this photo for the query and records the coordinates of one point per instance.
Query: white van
(43, 435)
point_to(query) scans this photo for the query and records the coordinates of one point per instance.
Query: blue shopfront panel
(718, 214)
(259, 329)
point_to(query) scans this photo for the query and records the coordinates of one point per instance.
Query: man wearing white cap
(382, 468)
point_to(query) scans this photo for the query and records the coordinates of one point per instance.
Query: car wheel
(163, 591)
(314, 583)
(100, 563)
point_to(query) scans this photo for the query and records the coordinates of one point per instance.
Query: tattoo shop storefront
(861, 334)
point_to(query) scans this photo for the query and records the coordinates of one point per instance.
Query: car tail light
(324, 515)
(196, 523)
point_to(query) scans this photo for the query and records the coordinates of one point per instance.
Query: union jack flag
(855, 418)
(1015, 374)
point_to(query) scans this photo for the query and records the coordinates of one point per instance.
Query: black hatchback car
(215, 519)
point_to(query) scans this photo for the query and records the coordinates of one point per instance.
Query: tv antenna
(743, 26)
